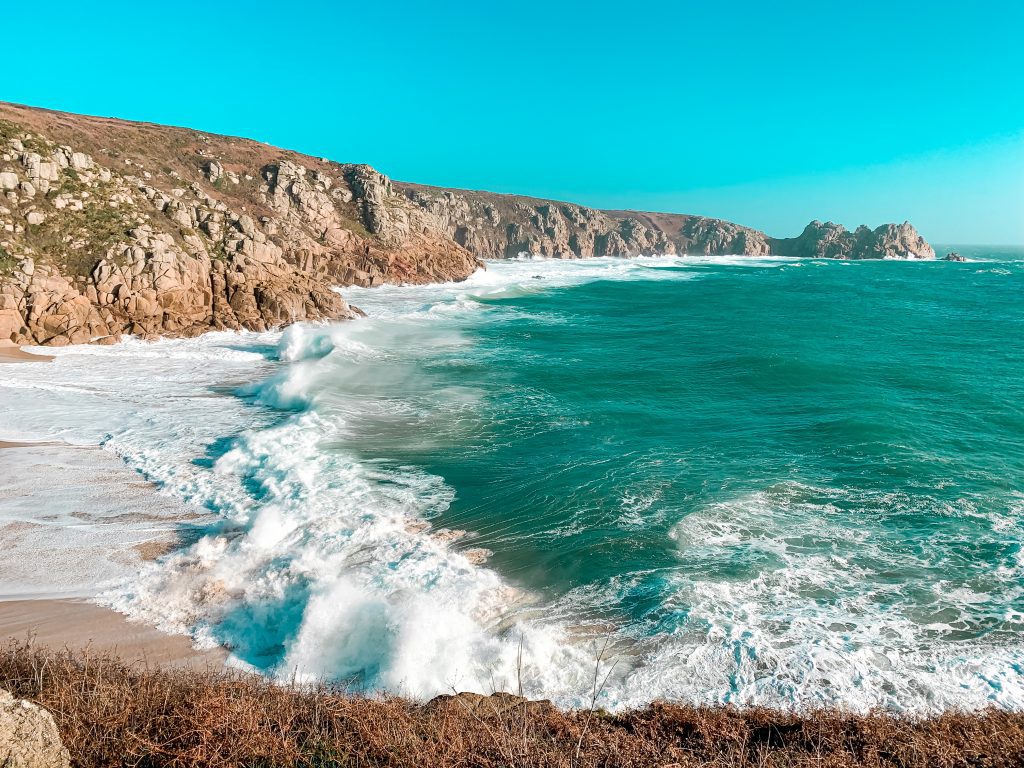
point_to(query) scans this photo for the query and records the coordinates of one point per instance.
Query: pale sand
(79, 626)
(12, 353)
(20, 444)
(10, 444)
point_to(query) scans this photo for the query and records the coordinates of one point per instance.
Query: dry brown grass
(112, 714)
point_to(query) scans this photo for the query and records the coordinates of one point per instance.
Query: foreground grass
(113, 714)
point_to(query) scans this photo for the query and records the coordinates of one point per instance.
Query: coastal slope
(491, 225)
(110, 227)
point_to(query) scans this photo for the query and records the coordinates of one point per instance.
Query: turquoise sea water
(771, 481)
(815, 462)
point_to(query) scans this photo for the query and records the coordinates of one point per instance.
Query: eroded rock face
(502, 226)
(110, 228)
(29, 736)
(109, 251)
(491, 227)
(716, 237)
(833, 241)
(156, 289)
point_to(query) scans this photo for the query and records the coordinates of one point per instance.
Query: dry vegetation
(111, 714)
(175, 156)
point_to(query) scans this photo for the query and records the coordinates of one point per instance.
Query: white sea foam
(315, 560)
(820, 628)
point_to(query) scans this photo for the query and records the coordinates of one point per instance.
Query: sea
(791, 483)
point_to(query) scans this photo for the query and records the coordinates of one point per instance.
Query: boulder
(953, 256)
(214, 171)
(80, 161)
(29, 736)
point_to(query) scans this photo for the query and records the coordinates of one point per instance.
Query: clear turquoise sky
(768, 113)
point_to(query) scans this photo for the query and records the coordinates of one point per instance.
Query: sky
(766, 113)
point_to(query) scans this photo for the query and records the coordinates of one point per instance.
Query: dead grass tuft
(113, 714)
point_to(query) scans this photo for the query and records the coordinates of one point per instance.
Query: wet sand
(11, 444)
(79, 625)
(12, 353)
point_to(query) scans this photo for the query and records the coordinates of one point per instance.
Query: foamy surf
(307, 456)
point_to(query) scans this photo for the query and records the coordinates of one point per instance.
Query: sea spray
(761, 481)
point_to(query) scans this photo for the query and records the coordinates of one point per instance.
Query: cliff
(109, 227)
(491, 225)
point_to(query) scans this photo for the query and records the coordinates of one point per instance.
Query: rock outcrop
(489, 225)
(29, 736)
(833, 241)
(953, 256)
(177, 240)
(110, 228)
(496, 705)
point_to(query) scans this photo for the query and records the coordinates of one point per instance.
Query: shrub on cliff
(111, 713)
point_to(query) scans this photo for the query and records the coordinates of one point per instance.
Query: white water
(316, 562)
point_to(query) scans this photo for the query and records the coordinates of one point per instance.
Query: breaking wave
(329, 540)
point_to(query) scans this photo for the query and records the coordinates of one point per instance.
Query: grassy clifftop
(109, 713)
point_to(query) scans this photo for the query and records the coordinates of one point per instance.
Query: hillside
(110, 227)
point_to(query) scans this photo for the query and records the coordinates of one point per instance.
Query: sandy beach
(12, 353)
(78, 625)
(13, 444)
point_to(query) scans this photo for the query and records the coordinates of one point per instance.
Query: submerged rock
(29, 736)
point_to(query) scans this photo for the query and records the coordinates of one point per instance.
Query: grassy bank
(113, 714)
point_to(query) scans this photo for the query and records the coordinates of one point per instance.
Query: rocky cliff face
(833, 241)
(490, 225)
(110, 228)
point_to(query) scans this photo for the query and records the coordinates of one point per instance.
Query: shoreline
(42, 374)
(78, 625)
(70, 621)
(12, 353)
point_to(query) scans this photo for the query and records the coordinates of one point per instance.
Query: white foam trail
(520, 277)
(315, 560)
(822, 629)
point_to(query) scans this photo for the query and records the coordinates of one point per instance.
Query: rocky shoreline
(110, 228)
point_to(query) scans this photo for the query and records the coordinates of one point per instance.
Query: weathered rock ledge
(109, 227)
